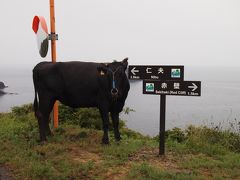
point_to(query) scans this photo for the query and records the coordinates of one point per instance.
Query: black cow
(80, 84)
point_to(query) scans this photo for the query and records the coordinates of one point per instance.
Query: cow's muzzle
(114, 92)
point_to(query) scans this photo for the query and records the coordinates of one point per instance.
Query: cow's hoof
(105, 141)
(42, 142)
(118, 138)
(49, 133)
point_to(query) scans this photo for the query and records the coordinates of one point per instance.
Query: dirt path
(4, 174)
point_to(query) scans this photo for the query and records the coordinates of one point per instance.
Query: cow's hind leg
(41, 126)
(47, 128)
(45, 108)
(115, 121)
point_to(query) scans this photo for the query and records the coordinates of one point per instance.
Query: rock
(8, 93)
(2, 92)
(2, 85)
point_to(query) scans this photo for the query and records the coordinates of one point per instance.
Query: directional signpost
(164, 80)
(156, 72)
(177, 88)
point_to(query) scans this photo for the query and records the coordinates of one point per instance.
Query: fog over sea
(219, 103)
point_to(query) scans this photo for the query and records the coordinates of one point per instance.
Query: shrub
(84, 117)
(204, 139)
(130, 133)
(215, 136)
(176, 134)
(22, 110)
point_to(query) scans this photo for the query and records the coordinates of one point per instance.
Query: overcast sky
(181, 32)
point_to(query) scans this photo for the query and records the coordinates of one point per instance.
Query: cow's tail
(35, 104)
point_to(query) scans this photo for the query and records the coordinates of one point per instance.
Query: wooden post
(162, 125)
(54, 55)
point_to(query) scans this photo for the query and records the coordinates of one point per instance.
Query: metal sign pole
(162, 125)
(54, 56)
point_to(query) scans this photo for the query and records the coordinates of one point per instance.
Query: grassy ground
(76, 153)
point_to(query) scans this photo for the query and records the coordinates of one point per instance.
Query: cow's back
(73, 83)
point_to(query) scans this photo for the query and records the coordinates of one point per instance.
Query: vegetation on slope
(75, 151)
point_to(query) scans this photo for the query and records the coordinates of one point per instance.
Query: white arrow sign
(134, 70)
(194, 86)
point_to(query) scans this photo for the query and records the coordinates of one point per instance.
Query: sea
(218, 106)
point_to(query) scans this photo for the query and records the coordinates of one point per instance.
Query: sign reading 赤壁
(156, 72)
(178, 88)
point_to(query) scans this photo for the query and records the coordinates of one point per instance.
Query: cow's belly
(82, 94)
(80, 101)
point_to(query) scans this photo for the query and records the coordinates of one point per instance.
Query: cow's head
(116, 76)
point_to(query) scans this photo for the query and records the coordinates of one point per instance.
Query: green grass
(145, 171)
(76, 152)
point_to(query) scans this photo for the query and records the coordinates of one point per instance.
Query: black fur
(80, 84)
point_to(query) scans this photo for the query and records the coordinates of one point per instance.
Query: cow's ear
(102, 70)
(125, 63)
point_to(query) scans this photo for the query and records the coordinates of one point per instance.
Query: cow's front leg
(115, 120)
(105, 119)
